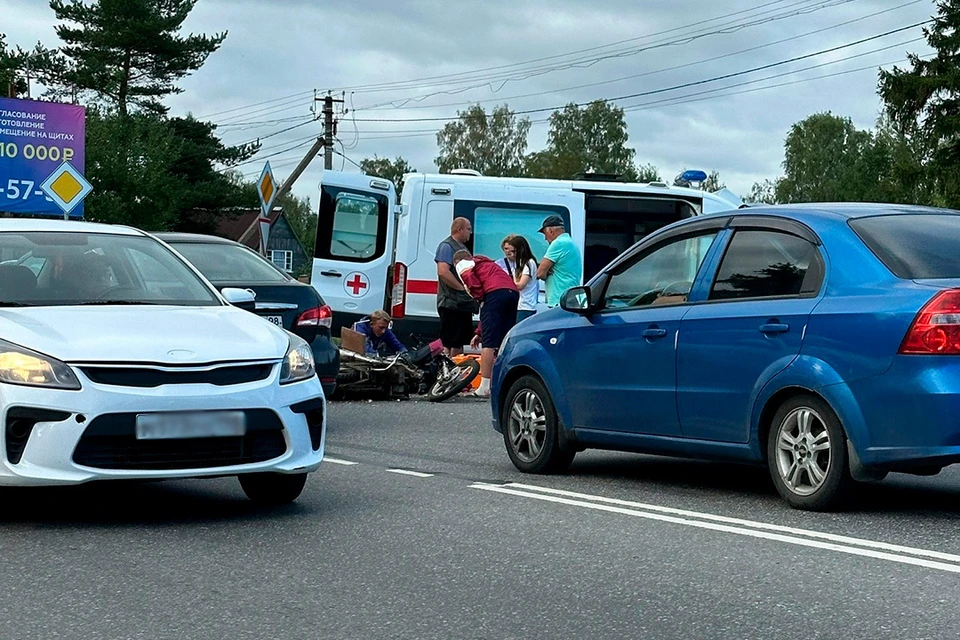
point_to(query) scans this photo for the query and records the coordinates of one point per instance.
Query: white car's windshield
(70, 268)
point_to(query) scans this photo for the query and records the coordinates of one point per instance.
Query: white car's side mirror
(242, 298)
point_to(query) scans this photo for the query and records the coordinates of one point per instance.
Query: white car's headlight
(298, 363)
(19, 365)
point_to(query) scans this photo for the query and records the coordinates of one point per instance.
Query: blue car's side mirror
(577, 300)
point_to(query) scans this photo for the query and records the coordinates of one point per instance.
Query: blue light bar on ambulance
(691, 178)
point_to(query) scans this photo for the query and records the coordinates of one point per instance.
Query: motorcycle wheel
(452, 379)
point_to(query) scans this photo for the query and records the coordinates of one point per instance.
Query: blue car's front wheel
(531, 429)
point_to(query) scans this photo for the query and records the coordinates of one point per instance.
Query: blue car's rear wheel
(807, 454)
(531, 429)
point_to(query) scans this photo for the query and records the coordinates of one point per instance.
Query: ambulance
(374, 253)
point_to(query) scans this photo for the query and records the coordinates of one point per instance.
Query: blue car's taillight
(936, 329)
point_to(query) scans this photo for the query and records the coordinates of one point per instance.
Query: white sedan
(118, 360)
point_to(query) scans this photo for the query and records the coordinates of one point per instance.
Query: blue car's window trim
(818, 256)
(774, 223)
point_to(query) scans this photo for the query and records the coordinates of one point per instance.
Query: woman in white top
(519, 262)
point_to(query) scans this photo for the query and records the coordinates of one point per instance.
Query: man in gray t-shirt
(454, 305)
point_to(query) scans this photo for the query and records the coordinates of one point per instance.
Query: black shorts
(497, 316)
(456, 327)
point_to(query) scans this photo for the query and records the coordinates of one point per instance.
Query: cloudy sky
(403, 67)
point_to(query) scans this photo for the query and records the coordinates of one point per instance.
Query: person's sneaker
(476, 393)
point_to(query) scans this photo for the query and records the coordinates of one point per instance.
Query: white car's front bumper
(91, 435)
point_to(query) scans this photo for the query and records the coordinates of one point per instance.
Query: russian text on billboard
(35, 138)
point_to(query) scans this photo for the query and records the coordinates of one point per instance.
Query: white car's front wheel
(273, 488)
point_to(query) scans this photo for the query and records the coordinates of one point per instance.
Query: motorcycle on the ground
(425, 371)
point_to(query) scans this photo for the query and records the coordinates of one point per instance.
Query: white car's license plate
(277, 320)
(198, 424)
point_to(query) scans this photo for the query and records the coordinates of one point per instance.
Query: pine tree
(923, 102)
(128, 52)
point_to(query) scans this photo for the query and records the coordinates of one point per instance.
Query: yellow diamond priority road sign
(267, 188)
(66, 187)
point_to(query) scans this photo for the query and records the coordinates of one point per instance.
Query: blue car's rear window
(914, 246)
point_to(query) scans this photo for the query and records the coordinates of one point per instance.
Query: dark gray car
(280, 299)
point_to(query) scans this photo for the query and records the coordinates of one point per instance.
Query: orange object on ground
(461, 358)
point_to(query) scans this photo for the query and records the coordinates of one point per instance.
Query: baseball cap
(552, 221)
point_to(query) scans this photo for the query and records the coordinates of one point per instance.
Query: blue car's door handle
(653, 333)
(774, 327)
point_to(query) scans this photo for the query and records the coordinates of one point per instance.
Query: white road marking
(415, 474)
(872, 544)
(875, 550)
(337, 461)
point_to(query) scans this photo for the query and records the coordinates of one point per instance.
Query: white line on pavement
(871, 544)
(415, 474)
(710, 522)
(336, 461)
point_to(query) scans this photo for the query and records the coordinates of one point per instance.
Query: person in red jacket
(498, 295)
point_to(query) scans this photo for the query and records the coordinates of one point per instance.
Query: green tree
(17, 65)
(11, 61)
(493, 145)
(128, 52)
(392, 170)
(131, 164)
(713, 183)
(302, 219)
(763, 193)
(908, 179)
(923, 104)
(201, 186)
(648, 173)
(827, 159)
(124, 57)
(588, 139)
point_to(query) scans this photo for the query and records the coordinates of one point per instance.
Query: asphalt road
(418, 526)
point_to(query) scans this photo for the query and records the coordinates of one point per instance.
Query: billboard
(36, 138)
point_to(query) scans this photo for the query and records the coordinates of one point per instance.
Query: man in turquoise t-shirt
(562, 266)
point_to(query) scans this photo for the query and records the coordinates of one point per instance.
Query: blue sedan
(820, 340)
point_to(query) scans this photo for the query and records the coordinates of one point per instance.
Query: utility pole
(329, 129)
(324, 142)
(311, 154)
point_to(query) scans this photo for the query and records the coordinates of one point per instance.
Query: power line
(675, 87)
(262, 112)
(256, 104)
(242, 126)
(347, 159)
(464, 76)
(526, 74)
(276, 133)
(403, 103)
(718, 92)
(682, 99)
(272, 155)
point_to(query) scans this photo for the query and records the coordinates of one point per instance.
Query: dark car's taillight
(936, 329)
(316, 317)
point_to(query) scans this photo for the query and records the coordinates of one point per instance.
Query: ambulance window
(492, 224)
(355, 223)
(352, 225)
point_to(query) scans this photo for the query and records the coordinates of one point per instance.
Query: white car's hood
(169, 335)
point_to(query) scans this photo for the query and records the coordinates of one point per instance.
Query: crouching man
(380, 339)
(498, 296)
